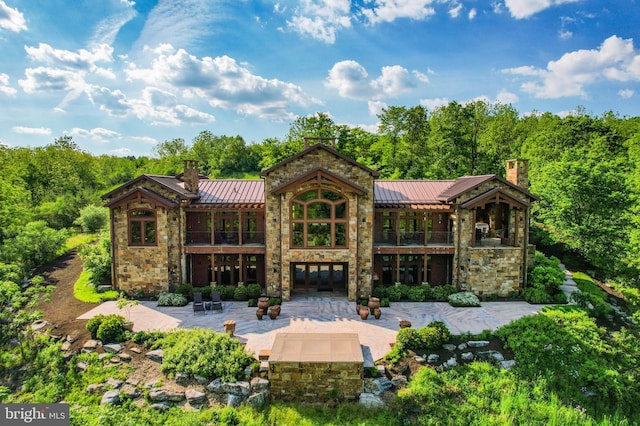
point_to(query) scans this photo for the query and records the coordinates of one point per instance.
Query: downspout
(182, 242)
(357, 248)
(457, 249)
(113, 251)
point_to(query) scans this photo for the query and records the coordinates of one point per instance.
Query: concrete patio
(323, 315)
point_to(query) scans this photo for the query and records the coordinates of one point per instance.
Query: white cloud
(434, 103)
(615, 60)
(626, 93)
(145, 139)
(520, 9)
(454, 12)
(44, 79)
(4, 86)
(97, 134)
(376, 107)
(31, 130)
(222, 83)
(107, 29)
(390, 10)
(322, 19)
(504, 97)
(472, 14)
(82, 60)
(123, 152)
(11, 19)
(565, 34)
(351, 80)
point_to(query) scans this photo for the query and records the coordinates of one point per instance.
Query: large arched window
(319, 219)
(142, 228)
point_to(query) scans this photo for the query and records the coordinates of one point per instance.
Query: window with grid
(142, 228)
(319, 219)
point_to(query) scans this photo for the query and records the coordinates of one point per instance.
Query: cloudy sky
(121, 75)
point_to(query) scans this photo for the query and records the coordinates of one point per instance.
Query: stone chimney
(518, 173)
(191, 175)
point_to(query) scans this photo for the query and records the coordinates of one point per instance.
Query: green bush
(595, 306)
(92, 218)
(536, 296)
(111, 329)
(416, 294)
(185, 289)
(172, 299)
(430, 338)
(240, 293)
(408, 339)
(379, 291)
(384, 302)
(394, 293)
(273, 301)
(463, 299)
(441, 293)
(254, 291)
(205, 353)
(147, 338)
(97, 259)
(226, 291)
(94, 323)
(442, 328)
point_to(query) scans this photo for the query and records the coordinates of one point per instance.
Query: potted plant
(126, 305)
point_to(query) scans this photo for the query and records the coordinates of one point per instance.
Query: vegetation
(107, 328)
(544, 281)
(85, 291)
(172, 299)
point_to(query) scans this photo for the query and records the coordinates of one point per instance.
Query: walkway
(324, 315)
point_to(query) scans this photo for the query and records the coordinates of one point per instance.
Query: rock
(150, 385)
(115, 360)
(39, 324)
(195, 396)
(215, 386)
(258, 384)
(124, 357)
(103, 287)
(90, 345)
(399, 381)
(237, 388)
(136, 350)
(65, 346)
(160, 406)
(449, 347)
(419, 359)
(129, 391)
(462, 346)
(182, 379)
(508, 365)
(382, 384)
(201, 380)
(112, 348)
(381, 370)
(433, 358)
(467, 356)
(71, 338)
(491, 356)
(131, 381)
(234, 400)
(114, 383)
(82, 366)
(478, 343)
(159, 395)
(68, 355)
(264, 367)
(95, 388)
(155, 355)
(258, 400)
(110, 397)
(56, 337)
(102, 356)
(370, 400)
(451, 362)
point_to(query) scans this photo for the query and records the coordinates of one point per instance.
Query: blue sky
(120, 76)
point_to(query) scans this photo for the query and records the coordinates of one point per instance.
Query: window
(142, 228)
(319, 219)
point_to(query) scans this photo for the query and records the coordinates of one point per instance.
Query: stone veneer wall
(279, 255)
(488, 270)
(147, 269)
(315, 381)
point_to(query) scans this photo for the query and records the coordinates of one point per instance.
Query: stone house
(320, 222)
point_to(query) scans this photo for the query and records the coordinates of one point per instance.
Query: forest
(584, 168)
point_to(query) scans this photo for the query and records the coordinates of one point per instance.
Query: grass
(586, 285)
(85, 291)
(77, 240)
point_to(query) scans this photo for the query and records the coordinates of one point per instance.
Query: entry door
(319, 276)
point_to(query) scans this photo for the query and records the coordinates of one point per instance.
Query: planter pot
(374, 303)
(358, 309)
(128, 326)
(260, 313)
(274, 311)
(364, 312)
(263, 303)
(377, 313)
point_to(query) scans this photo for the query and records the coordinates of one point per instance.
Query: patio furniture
(216, 301)
(198, 304)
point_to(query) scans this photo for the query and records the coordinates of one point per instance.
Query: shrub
(430, 338)
(92, 218)
(536, 296)
(384, 302)
(464, 299)
(205, 353)
(273, 301)
(380, 292)
(147, 338)
(394, 293)
(595, 306)
(442, 328)
(97, 259)
(186, 290)
(254, 291)
(408, 338)
(441, 293)
(416, 294)
(111, 329)
(94, 323)
(240, 293)
(226, 291)
(172, 299)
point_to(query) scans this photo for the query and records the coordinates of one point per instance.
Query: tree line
(584, 168)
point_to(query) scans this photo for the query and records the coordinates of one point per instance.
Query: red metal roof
(462, 185)
(234, 192)
(409, 193)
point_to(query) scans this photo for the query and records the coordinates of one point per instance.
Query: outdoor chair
(216, 301)
(198, 304)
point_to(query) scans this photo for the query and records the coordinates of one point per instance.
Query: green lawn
(85, 291)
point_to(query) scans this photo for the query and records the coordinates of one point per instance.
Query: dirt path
(63, 309)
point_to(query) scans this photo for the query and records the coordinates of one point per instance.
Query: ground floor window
(412, 269)
(226, 269)
(308, 277)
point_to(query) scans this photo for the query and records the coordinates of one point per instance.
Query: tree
(93, 218)
(34, 245)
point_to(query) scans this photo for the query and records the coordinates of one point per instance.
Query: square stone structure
(320, 223)
(316, 367)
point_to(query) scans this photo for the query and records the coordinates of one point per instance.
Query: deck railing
(225, 237)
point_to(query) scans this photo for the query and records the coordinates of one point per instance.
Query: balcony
(405, 239)
(225, 238)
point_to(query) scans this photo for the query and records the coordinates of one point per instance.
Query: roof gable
(495, 195)
(316, 147)
(141, 193)
(466, 183)
(318, 176)
(169, 183)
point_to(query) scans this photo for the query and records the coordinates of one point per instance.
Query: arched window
(319, 219)
(142, 228)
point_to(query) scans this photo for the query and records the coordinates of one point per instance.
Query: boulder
(201, 380)
(508, 365)
(195, 396)
(39, 324)
(399, 381)
(419, 359)
(433, 358)
(124, 356)
(65, 346)
(82, 366)
(449, 347)
(110, 397)
(462, 346)
(114, 383)
(258, 400)
(451, 362)
(155, 355)
(258, 384)
(95, 388)
(234, 400)
(71, 338)
(382, 384)
(477, 343)
(491, 356)
(130, 392)
(160, 406)
(112, 348)
(238, 388)
(90, 345)
(182, 379)
(215, 386)
(370, 400)
(159, 395)
(467, 356)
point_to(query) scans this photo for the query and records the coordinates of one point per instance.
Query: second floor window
(319, 219)
(142, 228)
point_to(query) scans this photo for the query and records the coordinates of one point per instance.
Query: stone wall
(279, 255)
(316, 381)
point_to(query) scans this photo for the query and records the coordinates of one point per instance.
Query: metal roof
(409, 193)
(462, 185)
(231, 192)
